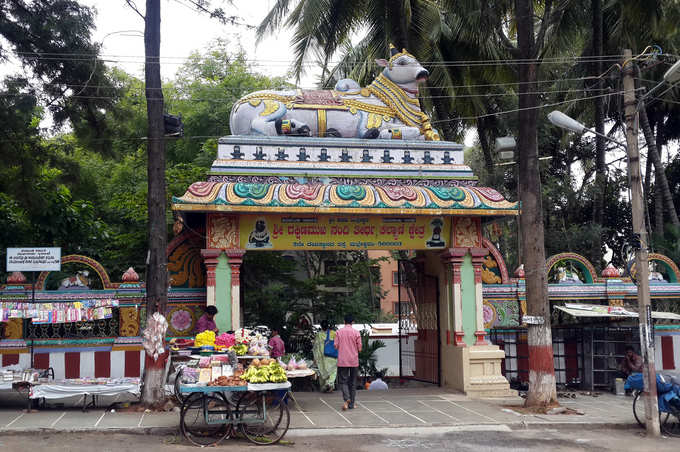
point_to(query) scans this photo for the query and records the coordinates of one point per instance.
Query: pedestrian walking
(348, 343)
(326, 357)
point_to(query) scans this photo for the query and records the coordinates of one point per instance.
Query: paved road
(472, 438)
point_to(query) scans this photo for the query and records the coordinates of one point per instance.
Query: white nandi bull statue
(81, 280)
(387, 108)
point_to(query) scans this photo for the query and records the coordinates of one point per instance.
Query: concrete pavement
(396, 408)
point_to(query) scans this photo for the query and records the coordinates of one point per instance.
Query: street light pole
(641, 254)
(637, 206)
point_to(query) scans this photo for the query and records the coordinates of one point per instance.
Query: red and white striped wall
(667, 350)
(87, 363)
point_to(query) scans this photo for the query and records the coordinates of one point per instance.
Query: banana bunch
(239, 349)
(272, 372)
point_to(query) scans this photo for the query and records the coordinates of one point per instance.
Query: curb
(329, 431)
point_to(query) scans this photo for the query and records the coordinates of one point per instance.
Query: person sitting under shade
(207, 321)
(631, 362)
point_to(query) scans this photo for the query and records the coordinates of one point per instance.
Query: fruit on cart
(271, 372)
(227, 381)
(239, 349)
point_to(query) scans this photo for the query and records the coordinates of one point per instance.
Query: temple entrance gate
(419, 352)
(302, 193)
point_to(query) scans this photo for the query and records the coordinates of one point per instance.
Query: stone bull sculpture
(387, 108)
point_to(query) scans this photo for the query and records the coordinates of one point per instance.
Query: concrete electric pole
(641, 254)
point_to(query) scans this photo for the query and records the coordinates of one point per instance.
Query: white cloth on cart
(268, 386)
(58, 391)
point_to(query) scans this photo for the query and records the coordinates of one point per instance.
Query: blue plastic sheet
(668, 394)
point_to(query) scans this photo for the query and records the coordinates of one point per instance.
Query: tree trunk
(157, 279)
(542, 390)
(661, 183)
(658, 211)
(600, 165)
(486, 151)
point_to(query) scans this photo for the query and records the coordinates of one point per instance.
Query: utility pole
(641, 254)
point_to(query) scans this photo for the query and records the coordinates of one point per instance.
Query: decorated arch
(578, 261)
(494, 270)
(672, 270)
(78, 259)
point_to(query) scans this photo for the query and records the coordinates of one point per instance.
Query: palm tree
(635, 25)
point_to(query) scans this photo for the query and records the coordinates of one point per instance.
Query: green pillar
(223, 294)
(468, 299)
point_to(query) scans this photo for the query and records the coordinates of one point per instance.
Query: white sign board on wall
(33, 259)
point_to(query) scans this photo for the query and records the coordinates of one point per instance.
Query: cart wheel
(179, 396)
(264, 418)
(639, 411)
(205, 418)
(671, 425)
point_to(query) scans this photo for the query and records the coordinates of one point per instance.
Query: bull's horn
(393, 50)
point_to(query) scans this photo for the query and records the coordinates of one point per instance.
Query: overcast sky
(184, 30)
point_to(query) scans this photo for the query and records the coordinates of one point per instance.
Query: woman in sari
(328, 366)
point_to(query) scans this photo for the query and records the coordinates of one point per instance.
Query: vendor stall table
(304, 376)
(66, 388)
(211, 413)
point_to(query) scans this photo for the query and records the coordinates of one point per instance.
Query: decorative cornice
(317, 198)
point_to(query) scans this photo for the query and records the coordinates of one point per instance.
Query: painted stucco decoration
(185, 260)
(466, 232)
(181, 321)
(490, 271)
(223, 232)
(388, 108)
(16, 278)
(293, 197)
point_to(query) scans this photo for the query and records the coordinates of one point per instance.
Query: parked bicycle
(668, 396)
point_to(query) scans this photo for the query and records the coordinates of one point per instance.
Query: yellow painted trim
(321, 118)
(334, 210)
(13, 351)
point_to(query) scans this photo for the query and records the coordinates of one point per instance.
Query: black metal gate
(418, 316)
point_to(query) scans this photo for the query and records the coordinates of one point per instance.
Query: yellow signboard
(304, 232)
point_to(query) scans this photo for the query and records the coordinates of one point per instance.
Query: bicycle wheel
(671, 425)
(639, 417)
(180, 397)
(204, 419)
(639, 411)
(264, 418)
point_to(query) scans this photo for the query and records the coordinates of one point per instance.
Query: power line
(286, 62)
(515, 110)
(169, 98)
(482, 85)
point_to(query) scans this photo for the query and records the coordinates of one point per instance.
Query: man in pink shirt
(278, 348)
(348, 343)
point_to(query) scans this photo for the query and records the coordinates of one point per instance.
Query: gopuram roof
(336, 175)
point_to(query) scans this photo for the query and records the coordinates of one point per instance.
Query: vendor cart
(210, 414)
